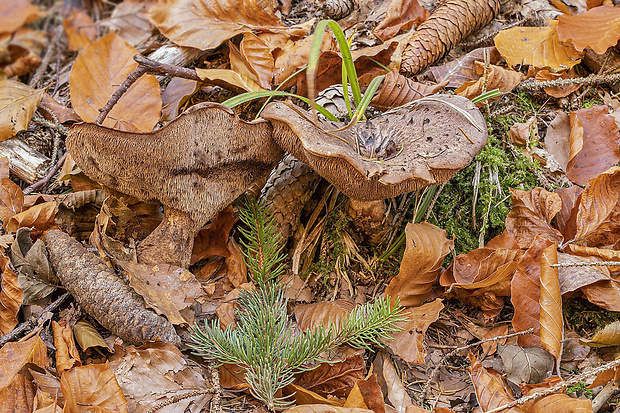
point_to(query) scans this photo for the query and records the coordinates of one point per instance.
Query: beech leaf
(531, 215)
(491, 390)
(17, 105)
(551, 319)
(609, 336)
(597, 29)
(95, 386)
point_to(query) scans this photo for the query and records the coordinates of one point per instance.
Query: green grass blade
(486, 96)
(368, 95)
(246, 97)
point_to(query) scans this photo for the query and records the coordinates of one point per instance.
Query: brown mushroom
(422, 143)
(194, 166)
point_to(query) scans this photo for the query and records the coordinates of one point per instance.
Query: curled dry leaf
(408, 344)
(15, 13)
(366, 394)
(323, 408)
(18, 103)
(67, 355)
(557, 140)
(449, 24)
(80, 30)
(551, 318)
(11, 200)
(609, 336)
(412, 151)
(205, 24)
(396, 393)
(87, 336)
(39, 217)
(491, 389)
(95, 386)
(397, 90)
(598, 210)
(228, 79)
(334, 378)
(11, 296)
(597, 29)
(606, 376)
(525, 292)
(594, 141)
(212, 240)
(302, 396)
(561, 403)
(176, 94)
(98, 71)
(155, 372)
(536, 46)
(309, 316)
(531, 215)
(498, 78)
(463, 69)
(401, 15)
(426, 247)
(259, 59)
(522, 133)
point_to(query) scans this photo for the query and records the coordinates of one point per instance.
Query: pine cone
(338, 9)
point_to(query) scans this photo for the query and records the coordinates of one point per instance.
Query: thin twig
(593, 79)
(131, 79)
(562, 385)
(153, 66)
(587, 264)
(32, 322)
(45, 180)
(435, 371)
(178, 398)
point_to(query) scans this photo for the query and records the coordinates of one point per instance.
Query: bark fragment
(103, 295)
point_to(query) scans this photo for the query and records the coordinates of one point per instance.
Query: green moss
(332, 246)
(586, 318)
(500, 170)
(580, 388)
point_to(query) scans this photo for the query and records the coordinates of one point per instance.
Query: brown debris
(102, 294)
(194, 166)
(446, 27)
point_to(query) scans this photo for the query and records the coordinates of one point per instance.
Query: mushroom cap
(197, 164)
(423, 143)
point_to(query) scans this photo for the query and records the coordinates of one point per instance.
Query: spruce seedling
(264, 344)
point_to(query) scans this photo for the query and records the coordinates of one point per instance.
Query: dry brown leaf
(525, 292)
(536, 46)
(155, 372)
(491, 389)
(594, 144)
(167, 289)
(80, 30)
(401, 15)
(397, 90)
(11, 296)
(176, 94)
(558, 91)
(609, 336)
(561, 403)
(309, 316)
(15, 355)
(606, 376)
(226, 311)
(302, 396)
(20, 51)
(531, 215)
(557, 139)
(426, 247)
(39, 217)
(390, 380)
(98, 71)
(95, 386)
(498, 78)
(129, 20)
(18, 103)
(258, 56)
(408, 344)
(18, 396)
(228, 79)
(334, 378)
(597, 29)
(15, 13)
(323, 408)
(463, 69)
(292, 56)
(598, 210)
(551, 319)
(366, 394)
(205, 24)
(67, 355)
(481, 270)
(490, 347)
(11, 200)
(522, 133)
(62, 113)
(87, 336)
(212, 240)
(236, 269)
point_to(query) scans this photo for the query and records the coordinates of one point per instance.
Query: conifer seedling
(264, 344)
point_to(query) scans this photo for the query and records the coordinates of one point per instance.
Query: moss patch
(586, 318)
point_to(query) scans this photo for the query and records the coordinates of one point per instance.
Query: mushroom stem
(171, 242)
(369, 218)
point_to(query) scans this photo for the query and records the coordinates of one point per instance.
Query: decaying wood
(290, 185)
(103, 295)
(25, 162)
(447, 26)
